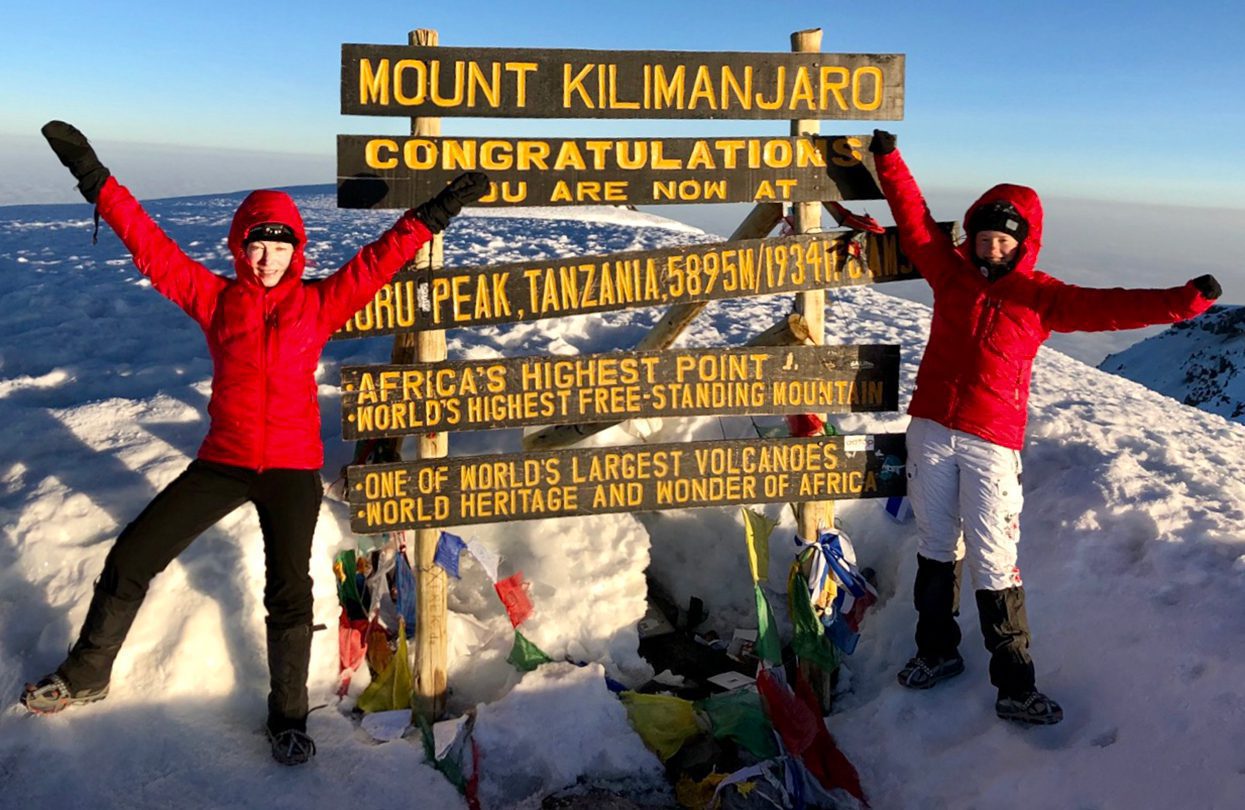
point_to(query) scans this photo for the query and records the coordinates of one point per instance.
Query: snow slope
(1133, 553)
(1197, 363)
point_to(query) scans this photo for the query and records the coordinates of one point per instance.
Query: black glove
(883, 142)
(1208, 286)
(76, 154)
(463, 190)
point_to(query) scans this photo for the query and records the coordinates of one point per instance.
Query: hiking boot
(1033, 707)
(291, 746)
(922, 672)
(53, 694)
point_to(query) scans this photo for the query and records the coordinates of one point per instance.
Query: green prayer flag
(767, 648)
(526, 656)
(738, 715)
(810, 642)
(345, 566)
(757, 529)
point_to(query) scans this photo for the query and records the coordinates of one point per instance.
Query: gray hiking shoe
(922, 673)
(1033, 708)
(52, 694)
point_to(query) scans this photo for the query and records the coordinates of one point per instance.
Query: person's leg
(992, 502)
(195, 500)
(288, 502)
(933, 487)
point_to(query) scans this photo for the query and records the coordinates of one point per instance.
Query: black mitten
(464, 190)
(76, 154)
(1208, 286)
(883, 142)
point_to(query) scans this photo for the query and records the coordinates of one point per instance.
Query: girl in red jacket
(265, 331)
(992, 310)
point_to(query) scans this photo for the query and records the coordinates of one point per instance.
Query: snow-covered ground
(1133, 555)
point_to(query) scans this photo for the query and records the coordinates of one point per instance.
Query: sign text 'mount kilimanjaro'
(386, 171)
(527, 486)
(413, 81)
(527, 291)
(482, 394)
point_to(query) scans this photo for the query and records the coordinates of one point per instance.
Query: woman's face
(269, 260)
(996, 247)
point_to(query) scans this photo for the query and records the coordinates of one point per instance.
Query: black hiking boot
(291, 746)
(921, 672)
(53, 694)
(1033, 708)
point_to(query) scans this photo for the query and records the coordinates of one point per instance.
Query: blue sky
(1137, 101)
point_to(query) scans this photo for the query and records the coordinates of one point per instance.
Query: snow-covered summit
(1133, 554)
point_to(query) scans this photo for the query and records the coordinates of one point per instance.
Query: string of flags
(776, 720)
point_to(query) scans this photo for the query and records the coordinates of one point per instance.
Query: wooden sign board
(413, 81)
(553, 288)
(639, 478)
(387, 171)
(390, 400)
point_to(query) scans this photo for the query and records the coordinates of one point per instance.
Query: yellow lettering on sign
(876, 75)
(478, 82)
(779, 91)
(668, 90)
(833, 79)
(372, 153)
(575, 84)
(373, 82)
(420, 82)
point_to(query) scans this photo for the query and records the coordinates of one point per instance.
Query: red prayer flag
(514, 597)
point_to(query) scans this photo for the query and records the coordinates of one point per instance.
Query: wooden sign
(529, 486)
(528, 291)
(393, 400)
(539, 83)
(387, 171)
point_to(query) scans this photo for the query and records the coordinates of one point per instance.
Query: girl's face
(995, 247)
(270, 260)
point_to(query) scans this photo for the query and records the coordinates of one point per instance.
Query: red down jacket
(265, 343)
(974, 375)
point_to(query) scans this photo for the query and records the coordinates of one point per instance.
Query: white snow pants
(962, 485)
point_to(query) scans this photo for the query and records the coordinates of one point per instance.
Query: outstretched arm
(352, 287)
(922, 240)
(174, 274)
(1083, 309)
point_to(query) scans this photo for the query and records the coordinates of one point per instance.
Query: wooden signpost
(526, 291)
(565, 83)
(561, 483)
(485, 394)
(380, 171)
(782, 370)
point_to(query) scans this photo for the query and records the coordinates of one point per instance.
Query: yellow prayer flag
(757, 529)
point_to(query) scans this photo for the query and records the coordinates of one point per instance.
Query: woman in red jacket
(992, 310)
(265, 331)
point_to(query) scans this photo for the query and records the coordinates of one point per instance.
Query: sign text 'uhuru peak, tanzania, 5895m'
(412, 81)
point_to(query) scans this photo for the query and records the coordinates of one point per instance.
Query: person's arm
(174, 274)
(1069, 308)
(352, 287)
(921, 239)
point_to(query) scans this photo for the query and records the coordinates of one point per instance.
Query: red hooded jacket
(265, 342)
(974, 375)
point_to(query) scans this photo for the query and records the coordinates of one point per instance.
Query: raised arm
(922, 240)
(174, 274)
(1068, 308)
(352, 287)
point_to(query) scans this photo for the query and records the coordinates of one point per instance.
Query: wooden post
(812, 303)
(431, 587)
(759, 222)
(812, 516)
